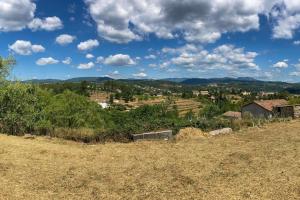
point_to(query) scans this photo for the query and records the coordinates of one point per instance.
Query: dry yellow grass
(190, 134)
(251, 164)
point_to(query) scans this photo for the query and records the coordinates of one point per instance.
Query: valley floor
(251, 164)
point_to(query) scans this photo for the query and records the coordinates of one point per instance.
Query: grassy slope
(253, 164)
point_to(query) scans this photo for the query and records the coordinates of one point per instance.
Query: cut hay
(190, 133)
(253, 164)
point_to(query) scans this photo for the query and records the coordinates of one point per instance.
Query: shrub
(212, 124)
(20, 108)
(80, 134)
(70, 110)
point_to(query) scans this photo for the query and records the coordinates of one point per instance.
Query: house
(104, 105)
(196, 93)
(266, 94)
(232, 115)
(246, 93)
(265, 108)
(204, 93)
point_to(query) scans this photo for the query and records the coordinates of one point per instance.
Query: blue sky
(152, 39)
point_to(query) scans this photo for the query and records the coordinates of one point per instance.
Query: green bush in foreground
(21, 108)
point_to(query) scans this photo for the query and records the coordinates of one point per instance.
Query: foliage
(5, 66)
(71, 110)
(21, 107)
(81, 88)
(294, 100)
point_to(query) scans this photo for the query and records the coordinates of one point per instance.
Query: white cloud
(115, 72)
(65, 39)
(119, 60)
(86, 65)
(197, 20)
(286, 16)
(67, 61)
(280, 65)
(25, 47)
(172, 70)
(89, 56)
(153, 65)
(48, 24)
(37, 48)
(226, 57)
(99, 59)
(297, 42)
(140, 75)
(88, 45)
(16, 14)
(164, 65)
(151, 56)
(46, 61)
(295, 73)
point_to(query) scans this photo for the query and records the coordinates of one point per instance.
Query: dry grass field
(252, 164)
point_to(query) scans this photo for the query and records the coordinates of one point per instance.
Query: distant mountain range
(72, 80)
(187, 81)
(200, 81)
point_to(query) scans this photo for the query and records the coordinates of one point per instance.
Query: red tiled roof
(270, 104)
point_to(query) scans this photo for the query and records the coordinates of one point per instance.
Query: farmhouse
(267, 108)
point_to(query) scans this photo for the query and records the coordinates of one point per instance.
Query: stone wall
(297, 111)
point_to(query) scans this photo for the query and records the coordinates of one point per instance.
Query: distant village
(263, 104)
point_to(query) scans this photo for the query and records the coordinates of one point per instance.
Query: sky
(152, 39)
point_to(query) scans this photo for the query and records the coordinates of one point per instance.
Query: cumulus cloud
(286, 17)
(140, 75)
(65, 39)
(196, 20)
(48, 24)
(119, 60)
(88, 45)
(86, 65)
(23, 47)
(46, 61)
(89, 56)
(67, 61)
(16, 14)
(281, 65)
(226, 57)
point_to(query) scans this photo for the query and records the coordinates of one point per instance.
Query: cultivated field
(251, 164)
(183, 105)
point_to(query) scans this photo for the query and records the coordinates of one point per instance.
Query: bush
(79, 135)
(212, 124)
(70, 110)
(21, 108)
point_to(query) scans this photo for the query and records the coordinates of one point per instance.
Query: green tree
(21, 107)
(6, 65)
(70, 110)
